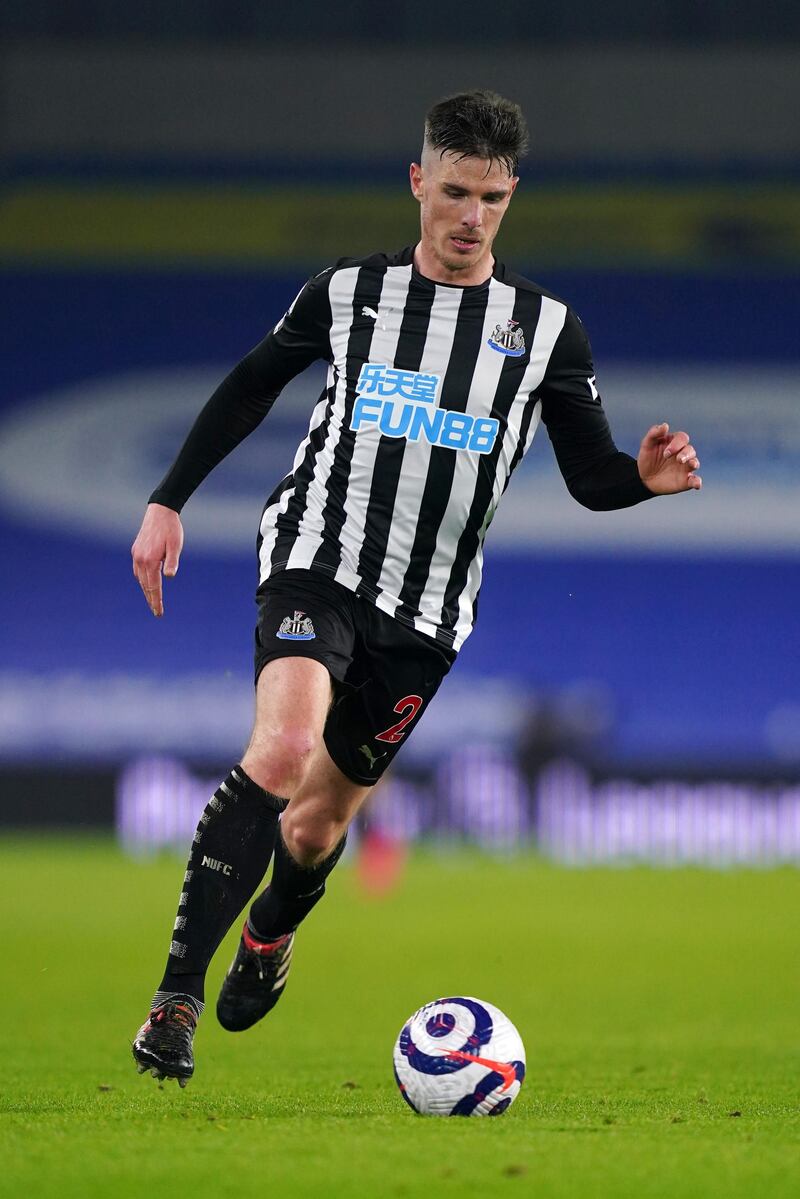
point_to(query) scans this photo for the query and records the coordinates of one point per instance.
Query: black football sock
(230, 854)
(292, 893)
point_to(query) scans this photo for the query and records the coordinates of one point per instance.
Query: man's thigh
(304, 640)
(394, 675)
(287, 751)
(304, 614)
(324, 797)
(293, 698)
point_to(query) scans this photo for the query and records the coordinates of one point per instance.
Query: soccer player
(441, 362)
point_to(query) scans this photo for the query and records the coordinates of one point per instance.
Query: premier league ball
(459, 1057)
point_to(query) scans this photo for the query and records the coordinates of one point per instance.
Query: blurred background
(172, 172)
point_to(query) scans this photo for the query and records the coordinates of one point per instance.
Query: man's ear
(415, 179)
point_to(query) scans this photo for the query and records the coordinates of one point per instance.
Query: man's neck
(429, 265)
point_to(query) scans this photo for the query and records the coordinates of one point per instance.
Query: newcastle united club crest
(510, 340)
(296, 628)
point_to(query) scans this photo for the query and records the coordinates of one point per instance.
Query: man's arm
(235, 409)
(597, 474)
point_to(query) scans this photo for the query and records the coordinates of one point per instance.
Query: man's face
(462, 202)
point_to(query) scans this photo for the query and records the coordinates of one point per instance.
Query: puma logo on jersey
(215, 864)
(373, 316)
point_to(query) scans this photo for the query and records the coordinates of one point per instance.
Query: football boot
(255, 981)
(163, 1045)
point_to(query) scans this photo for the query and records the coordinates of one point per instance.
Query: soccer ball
(459, 1057)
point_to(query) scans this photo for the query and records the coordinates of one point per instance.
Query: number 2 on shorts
(409, 705)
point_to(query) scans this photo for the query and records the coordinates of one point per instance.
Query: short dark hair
(478, 124)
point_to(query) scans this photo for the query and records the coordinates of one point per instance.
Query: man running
(441, 362)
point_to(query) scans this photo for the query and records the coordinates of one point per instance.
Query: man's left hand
(667, 462)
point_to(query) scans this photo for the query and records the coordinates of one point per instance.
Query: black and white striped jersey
(434, 393)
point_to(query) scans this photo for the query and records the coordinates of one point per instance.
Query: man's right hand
(158, 544)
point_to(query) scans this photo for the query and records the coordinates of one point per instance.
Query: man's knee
(310, 836)
(277, 762)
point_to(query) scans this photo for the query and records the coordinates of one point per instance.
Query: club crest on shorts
(296, 628)
(510, 340)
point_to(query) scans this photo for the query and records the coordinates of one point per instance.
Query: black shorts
(385, 674)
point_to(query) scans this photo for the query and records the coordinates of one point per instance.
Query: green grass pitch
(659, 1011)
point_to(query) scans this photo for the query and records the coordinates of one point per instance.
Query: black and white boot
(163, 1045)
(255, 981)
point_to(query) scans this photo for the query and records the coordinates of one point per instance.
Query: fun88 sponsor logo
(406, 404)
